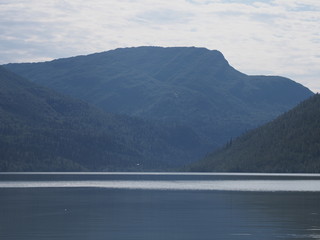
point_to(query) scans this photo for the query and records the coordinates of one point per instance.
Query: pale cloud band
(277, 37)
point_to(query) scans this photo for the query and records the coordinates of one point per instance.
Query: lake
(159, 206)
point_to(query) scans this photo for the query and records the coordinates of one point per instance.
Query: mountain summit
(195, 87)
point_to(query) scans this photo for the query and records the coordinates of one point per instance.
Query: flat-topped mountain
(41, 130)
(195, 87)
(291, 143)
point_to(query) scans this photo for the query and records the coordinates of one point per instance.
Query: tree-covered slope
(41, 130)
(195, 87)
(291, 143)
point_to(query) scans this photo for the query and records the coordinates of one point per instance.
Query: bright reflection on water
(226, 185)
(167, 181)
(159, 206)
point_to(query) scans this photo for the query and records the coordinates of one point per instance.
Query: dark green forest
(41, 130)
(289, 144)
(194, 87)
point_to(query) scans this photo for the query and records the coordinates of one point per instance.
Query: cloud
(163, 16)
(278, 37)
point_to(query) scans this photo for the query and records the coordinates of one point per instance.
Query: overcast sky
(272, 37)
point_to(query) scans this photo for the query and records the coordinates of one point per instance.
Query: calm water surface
(121, 206)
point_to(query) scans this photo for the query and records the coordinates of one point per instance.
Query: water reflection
(132, 207)
(225, 185)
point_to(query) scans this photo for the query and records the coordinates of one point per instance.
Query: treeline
(291, 143)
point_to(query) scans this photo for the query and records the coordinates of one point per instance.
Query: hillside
(291, 143)
(191, 86)
(41, 130)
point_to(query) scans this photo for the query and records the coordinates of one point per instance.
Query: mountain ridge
(195, 87)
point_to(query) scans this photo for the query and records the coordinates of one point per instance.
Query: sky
(265, 37)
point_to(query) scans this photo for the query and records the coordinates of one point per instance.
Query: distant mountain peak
(185, 51)
(192, 86)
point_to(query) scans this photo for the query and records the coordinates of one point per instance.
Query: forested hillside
(291, 143)
(191, 86)
(41, 130)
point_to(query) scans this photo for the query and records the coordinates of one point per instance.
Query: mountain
(195, 87)
(41, 130)
(290, 143)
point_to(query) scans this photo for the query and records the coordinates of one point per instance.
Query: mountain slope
(191, 86)
(291, 143)
(41, 130)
